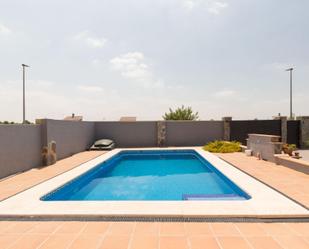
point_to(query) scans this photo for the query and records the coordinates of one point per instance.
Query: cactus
(49, 155)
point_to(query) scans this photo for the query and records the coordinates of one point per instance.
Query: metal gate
(293, 132)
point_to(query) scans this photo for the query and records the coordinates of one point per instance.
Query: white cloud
(31, 83)
(40, 83)
(212, 6)
(90, 40)
(189, 4)
(216, 7)
(90, 88)
(52, 102)
(4, 30)
(133, 66)
(225, 93)
(96, 62)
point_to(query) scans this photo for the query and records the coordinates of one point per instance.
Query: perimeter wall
(21, 145)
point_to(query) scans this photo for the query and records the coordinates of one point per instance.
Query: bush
(223, 147)
(7, 122)
(181, 113)
(288, 149)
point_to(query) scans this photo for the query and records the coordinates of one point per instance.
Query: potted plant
(289, 149)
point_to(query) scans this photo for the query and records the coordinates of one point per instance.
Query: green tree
(181, 113)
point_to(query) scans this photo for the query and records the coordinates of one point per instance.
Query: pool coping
(265, 202)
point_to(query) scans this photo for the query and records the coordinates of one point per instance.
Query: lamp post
(24, 97)
(291, 89)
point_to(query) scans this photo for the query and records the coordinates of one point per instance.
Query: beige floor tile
(292, 242)
(121, 228)
(263, 242)
(99, 228)
(224, 229)
(306, 238)
(86, 241)
(288, 181)
(29, 241)
(7, 240)
(147, 228)
(71, 227)
(21, 227)
(251, 229)
(203, 242)
(47, 227)
(233, 243)
(58, 241)
(299, 228)
(275, 229)
(198, 228)
(115, 242)
(144, 241)
(174, 242)
(172, 228)
(5, 225)
(24, 180)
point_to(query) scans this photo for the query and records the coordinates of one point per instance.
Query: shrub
(7, 122)
(27, 122)
(181, 113)
(289, 148)
(223, 147)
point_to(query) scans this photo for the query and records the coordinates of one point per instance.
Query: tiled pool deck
(113, 235)
(17, 183)
(288, 181)
(135, 235)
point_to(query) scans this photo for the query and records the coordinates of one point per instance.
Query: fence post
(227, 128)
(304, 132)
(48, 152)
(284, 128)
(161, 133)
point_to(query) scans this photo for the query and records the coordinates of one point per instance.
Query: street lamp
(291, 89)
(24, 97)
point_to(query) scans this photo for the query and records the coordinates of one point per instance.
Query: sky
(106, 59)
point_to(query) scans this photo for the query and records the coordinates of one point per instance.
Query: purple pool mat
(200, 197)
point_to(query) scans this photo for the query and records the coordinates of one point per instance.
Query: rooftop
(73, 117)
(128, 119)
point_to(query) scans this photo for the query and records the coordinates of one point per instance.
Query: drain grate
(154, 219)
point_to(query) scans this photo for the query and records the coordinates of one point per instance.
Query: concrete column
(161, 133)
(227, 128)
(284, 128)
(48, 152)
(304, 132)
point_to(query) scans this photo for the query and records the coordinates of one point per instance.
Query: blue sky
(106, 59)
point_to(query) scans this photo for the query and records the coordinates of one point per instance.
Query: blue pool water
(150, 175)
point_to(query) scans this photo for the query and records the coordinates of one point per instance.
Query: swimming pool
(150, 175)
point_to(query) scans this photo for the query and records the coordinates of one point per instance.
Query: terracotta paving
(137, 235)
(164, 235)
(27, 179)
(293, 183)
